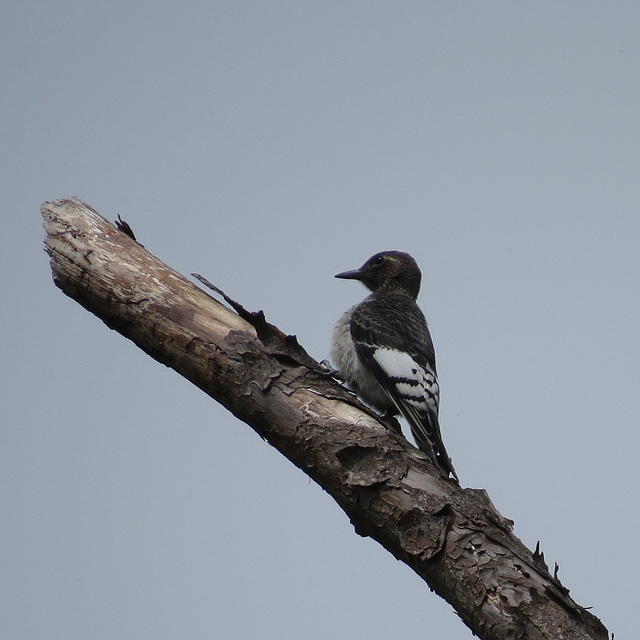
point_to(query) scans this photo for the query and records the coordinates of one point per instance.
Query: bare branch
(452, 537)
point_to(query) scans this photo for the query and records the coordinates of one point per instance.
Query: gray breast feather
(350, 368)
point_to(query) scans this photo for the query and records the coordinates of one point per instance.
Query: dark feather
(396, 322)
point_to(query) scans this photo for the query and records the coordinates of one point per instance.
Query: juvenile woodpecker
(383, 350)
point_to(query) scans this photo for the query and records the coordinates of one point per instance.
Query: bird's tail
(425, 430)
(429, 440)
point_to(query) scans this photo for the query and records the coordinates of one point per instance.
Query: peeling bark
(453, 538)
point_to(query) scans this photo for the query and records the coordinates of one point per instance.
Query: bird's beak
(356, 274)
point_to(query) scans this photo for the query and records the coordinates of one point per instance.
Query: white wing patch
(414, 385)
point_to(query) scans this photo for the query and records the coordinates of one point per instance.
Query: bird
(383, 350)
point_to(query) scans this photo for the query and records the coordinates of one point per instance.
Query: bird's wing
(412, 388)
(393, 343)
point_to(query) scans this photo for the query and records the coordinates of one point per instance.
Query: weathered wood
(452, 537)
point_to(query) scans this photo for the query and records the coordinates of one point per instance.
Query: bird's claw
(329, 370)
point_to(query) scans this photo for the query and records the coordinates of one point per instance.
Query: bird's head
(389, 270)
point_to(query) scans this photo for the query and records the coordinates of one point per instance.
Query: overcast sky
(268, 146)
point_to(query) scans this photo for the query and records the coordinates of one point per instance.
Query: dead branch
(452, 537)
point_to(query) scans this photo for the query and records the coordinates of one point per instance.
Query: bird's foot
(392, 421)
(329, 371)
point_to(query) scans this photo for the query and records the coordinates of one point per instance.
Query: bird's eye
(378, 260)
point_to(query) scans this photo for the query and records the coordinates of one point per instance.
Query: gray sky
(269, 146)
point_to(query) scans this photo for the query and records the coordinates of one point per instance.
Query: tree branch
(452, 537)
